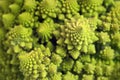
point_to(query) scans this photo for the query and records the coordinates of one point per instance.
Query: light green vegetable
(59, 39)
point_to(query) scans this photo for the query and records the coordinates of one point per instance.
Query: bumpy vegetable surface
(59, 39)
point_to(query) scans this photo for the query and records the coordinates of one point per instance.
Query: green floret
(9, 66)
(61, 51)
(110, 21)
(57, 76)
(8, 20)
(45, 30)
(89, 68)
(104, 68)
(102, 78)
(74, 53)
(116, 72)
(69, 8)
(78, 66)
(15, 8)
(30, 62)
(98, 69)
(87, 77)
(67, 64)
(116, 39)
(52, 69)
(91, 7)
(26, 19)
(70, 76)
(29, 5)
(34, 66)
(107, 53)
(107, 70)
(48, 8)
(85, 58)
(56, 59)
(18, 38)
(104, 38)
(79, 35)
(4, 4)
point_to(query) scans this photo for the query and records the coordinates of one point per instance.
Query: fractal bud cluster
(59, 39)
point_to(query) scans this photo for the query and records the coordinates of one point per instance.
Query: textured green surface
(59, 39)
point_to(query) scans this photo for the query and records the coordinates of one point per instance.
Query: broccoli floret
(18, 38)
(8, 20)
(91, 7)
(30, 5)
(107, 53)
(116, 39)
(110, 21)
(69, 8)
(86, 77)
(33, 65)
(15, 8)
(78, 34)
(48, 8)
(45, 31)
(26, 19)
(70, 76)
